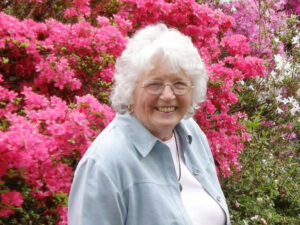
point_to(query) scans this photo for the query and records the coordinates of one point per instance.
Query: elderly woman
(152, 164)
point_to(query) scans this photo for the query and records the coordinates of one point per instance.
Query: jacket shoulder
(111, 149)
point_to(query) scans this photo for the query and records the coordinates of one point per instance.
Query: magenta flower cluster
(261, 22)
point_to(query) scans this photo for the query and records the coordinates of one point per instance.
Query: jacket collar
(142, 139)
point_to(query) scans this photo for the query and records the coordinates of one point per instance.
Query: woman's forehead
(162, 73)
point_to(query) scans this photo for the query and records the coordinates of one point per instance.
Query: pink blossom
(103, 21)
(292, 136)
(33, 100)
(12, 198)
(63, 211)
(124, 25)
(236, 44)
(6, 212)
(71, 12)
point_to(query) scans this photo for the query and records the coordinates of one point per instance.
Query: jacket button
(196, 172)
(218, 198)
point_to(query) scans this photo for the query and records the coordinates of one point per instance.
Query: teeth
(166, 109)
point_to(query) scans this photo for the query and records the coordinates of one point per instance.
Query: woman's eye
(154, 85)
(180, 85)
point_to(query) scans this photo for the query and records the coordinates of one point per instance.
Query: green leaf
(5, 60)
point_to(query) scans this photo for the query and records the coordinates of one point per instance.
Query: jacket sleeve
(94, 198)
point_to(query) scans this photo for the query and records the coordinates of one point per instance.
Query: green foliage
(266, 191)
(4, 124)
(39, 11)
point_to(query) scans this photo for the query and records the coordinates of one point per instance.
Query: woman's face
(160, 113)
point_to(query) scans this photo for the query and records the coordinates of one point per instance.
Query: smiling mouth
(166, 109)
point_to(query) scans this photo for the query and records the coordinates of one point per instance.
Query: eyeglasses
(155, 87)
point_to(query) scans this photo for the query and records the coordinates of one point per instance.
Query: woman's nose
(167, 94)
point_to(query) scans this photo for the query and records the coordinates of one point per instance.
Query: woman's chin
(166, 122)
(165, 119)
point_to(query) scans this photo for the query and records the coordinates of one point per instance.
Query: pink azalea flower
(6, 212)
(14, 198)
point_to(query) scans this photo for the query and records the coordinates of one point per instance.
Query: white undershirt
(200, 206)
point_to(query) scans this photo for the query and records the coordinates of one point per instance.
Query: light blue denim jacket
(127, 176)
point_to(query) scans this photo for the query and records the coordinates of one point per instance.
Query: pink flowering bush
(60, 59)
(41, 145)
(261, 22)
